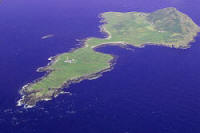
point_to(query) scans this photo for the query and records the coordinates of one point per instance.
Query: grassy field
(167, 27)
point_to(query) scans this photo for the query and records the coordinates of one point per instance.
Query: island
(47, 36)
(165, 27)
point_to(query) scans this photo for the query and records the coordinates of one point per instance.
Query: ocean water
(150, 90)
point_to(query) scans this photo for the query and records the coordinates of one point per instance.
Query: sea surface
(150, 90)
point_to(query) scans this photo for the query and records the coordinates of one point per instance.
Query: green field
(167, 27)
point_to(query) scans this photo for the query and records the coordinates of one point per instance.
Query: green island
(167, 27)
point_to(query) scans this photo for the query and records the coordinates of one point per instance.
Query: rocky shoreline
(30, 102)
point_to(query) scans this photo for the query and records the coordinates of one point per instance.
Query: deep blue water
(150, 90)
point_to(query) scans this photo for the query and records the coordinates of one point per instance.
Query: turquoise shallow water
(150, 90)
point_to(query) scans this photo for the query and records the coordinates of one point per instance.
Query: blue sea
(150, 90)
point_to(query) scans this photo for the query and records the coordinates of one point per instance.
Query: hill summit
(172, 20)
